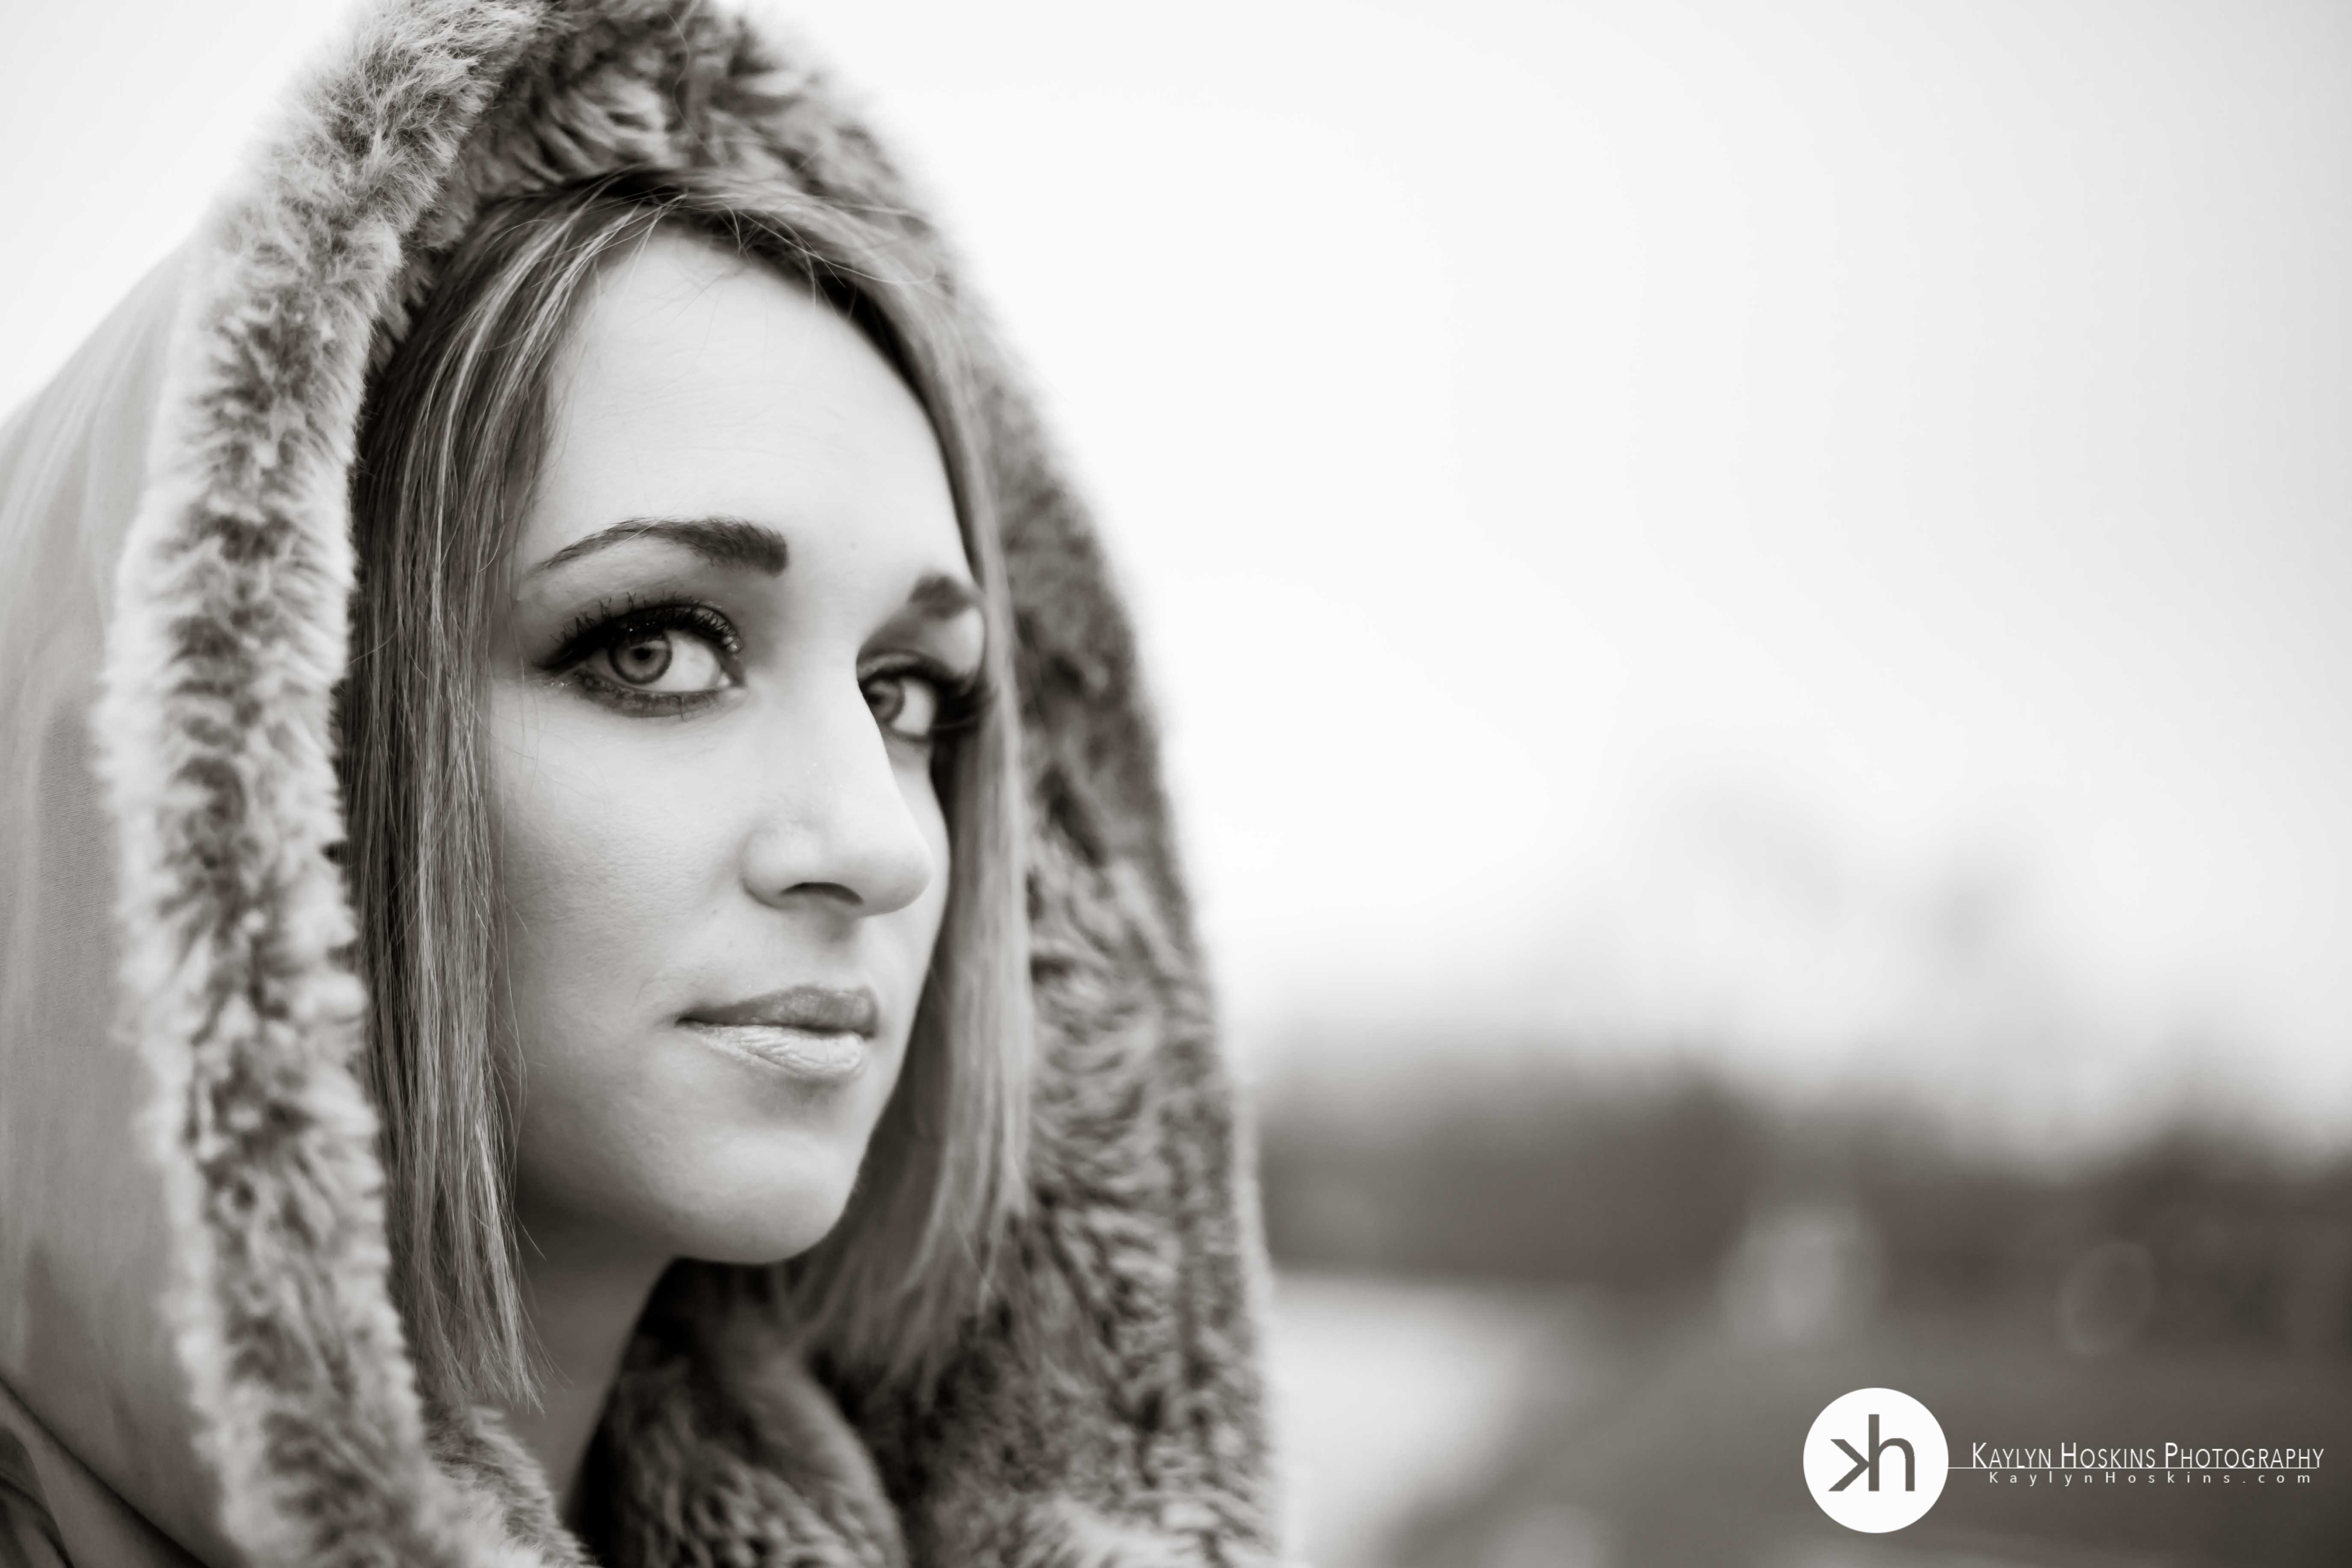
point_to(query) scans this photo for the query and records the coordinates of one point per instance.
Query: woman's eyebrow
(727, 540)
(940, 597)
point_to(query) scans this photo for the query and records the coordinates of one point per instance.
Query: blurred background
(1749, 603)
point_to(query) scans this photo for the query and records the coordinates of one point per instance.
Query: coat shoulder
(28, 1533)
(55, 1512)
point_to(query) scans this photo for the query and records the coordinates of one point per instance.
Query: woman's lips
(813, 1031)
(822, 1009)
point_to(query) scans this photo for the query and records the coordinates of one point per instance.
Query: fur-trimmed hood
(199, 1359)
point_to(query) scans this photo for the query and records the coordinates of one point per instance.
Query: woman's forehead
(696, 384)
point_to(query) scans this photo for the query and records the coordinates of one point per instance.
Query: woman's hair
(449, 444)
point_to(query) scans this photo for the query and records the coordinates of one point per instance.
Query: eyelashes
(649, 638)
(632, 657)
(947, 702)
(608, 624)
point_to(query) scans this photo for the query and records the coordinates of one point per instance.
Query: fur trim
(719, 1447)
(1108, 1409)
(212, 734)
(506, 1497)
(1121, 1369)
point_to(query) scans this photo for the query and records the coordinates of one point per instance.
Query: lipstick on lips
(814, 1032)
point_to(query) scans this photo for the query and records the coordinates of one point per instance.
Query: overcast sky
(1791, 527)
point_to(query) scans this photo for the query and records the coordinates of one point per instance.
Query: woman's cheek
(602, 876)
(916, 928)
(603, 857)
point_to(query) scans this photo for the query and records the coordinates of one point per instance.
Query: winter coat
(199, 1359)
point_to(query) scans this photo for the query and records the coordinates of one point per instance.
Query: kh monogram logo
(1890, 1423)
(1910, 1461)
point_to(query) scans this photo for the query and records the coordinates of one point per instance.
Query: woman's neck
(583, 1293)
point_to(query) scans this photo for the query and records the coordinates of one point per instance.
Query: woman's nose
(835, 820)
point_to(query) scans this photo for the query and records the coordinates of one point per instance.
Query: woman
(575, 741)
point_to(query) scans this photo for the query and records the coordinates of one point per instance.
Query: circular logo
(1875, 1460)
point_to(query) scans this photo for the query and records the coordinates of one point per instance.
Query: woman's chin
(721, 1195)
(757, 1225)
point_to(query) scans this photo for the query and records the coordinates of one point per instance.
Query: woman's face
(741, 622)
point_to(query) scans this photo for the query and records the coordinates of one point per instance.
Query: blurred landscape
(1533, 1314)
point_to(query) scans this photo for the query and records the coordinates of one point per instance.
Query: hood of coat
(193, 1305)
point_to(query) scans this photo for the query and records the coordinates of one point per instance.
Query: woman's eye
(666, 660)
(671, 659)
(905, 703)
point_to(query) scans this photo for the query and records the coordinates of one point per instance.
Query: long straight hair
(450, 443)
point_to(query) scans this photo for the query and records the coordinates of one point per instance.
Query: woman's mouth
(814, 1032)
